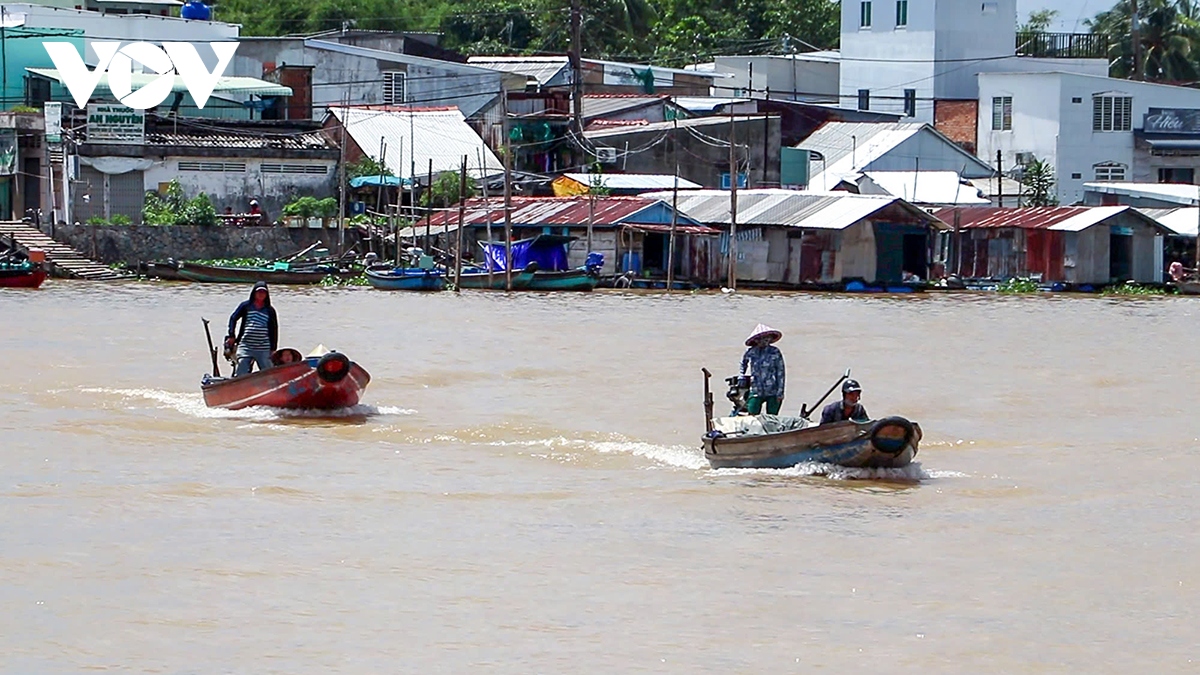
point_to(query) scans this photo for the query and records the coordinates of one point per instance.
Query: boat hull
(888, 443)
(570, 280)
(243, 275)
(22, 278)
(167, 271)
(407, 280)
(479, 280)
(292, 386)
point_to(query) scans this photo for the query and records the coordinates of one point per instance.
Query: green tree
(366, 167)
(445, 190)
(1039, 21)
(1039, 181)
(1169, 33)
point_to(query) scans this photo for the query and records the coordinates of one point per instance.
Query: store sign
(1172, 121)
(115, 124)
(52, 113)
(173, 58)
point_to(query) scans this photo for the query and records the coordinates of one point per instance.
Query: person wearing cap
(765, 363)
(848, 408)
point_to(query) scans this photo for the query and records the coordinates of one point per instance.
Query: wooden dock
(62, 260)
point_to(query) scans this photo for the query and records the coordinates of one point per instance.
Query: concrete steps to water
(62, 260)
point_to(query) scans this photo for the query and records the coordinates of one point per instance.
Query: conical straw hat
(763, 329)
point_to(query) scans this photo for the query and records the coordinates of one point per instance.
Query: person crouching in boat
(848, 408)
(765, 362)
(258, 335)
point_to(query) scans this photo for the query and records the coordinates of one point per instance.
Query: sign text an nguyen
(116, 124)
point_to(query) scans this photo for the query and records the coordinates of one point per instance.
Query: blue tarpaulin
(373, 181)
(549, 251)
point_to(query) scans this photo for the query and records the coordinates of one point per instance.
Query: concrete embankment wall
(131, 244)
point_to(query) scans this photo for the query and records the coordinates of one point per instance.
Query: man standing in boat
(848, 408)
(258, 336)
(765, 362)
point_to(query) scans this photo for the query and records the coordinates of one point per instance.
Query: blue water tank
(193, 9)
(631, 261)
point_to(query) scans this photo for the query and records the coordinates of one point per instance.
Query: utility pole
(507, 195)
(1135, 36)
(576, 72)
(733, 176)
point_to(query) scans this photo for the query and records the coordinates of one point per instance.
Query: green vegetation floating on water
(1134, 288)
(233, 262)
(360, 280)
(1018, 286)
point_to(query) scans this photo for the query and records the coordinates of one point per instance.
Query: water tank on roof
(193, 9)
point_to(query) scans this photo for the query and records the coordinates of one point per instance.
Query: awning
(373, 181)
(246, 86)
(699, 230)
(1174, 143)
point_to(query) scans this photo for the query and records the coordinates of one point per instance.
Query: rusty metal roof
(549, 211)
(1058, 218)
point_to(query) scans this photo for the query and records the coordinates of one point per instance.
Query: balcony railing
(1063, 45)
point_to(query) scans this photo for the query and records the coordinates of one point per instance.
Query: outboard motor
(594, 262)
(738, 394)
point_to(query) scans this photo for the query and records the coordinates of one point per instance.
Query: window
(864, 18)
(1076, 99)
(394, 89)
(1110, 172)
(901, 13)
(315, 169)
(1076, 176)
(1112, 113)
(1184, 176)
(910, 102)
(864, 99)
(1001, 113)
(218, 167)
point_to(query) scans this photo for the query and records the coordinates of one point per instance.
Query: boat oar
(805, 410)
(708, 401)
(212, 351)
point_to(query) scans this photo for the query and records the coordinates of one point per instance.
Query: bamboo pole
(487, 208)
(733, 176)
(429, 209)
(462, 212)
(674, 210)
(507, 196)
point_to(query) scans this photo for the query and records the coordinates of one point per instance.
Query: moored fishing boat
(18, 270)
(325, 380)
(280, 273)
(481, 279)
(579, 279)
(407, 279)
(167, 270)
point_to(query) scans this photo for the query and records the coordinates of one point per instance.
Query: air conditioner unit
(606, 155)
(1024, 158)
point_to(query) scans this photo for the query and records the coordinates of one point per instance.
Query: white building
(123, 27)
(1086, 127)
(921, 59)
(813, 76)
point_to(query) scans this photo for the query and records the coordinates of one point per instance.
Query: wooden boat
(580, 279)
(1188, 287)
(167, 270)
(20, 270)
(478, 278)
(407, 279)
(887, 443)
(281, 274)
(324, 382)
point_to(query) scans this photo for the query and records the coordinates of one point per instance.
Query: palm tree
(1169, 37)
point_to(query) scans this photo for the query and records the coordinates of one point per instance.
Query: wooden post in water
(487, 208)
(462, 211)
(428, 209)
(733, 171)
(507, 196)
(674, 209)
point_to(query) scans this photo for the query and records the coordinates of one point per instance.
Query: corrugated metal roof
(699, 122)
(439, 134)
(1057, 218)
(602, 105)
(1183, 220)
(545, 70)
(227, 85)
(633, 181)
(1187, 195)
(539, 212)
(927, 187)
(396, 57)
(849, 147)
(789, 208)
(313, 140)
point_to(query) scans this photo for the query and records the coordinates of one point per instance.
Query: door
(1120, 254)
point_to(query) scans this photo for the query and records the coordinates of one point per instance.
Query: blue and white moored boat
(407, 279)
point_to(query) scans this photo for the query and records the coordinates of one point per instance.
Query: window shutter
(394, 87)
(1097, 117)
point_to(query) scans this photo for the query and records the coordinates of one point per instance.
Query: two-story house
(1088, 128)
(921, 58)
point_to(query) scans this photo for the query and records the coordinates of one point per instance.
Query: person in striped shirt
(258, 336)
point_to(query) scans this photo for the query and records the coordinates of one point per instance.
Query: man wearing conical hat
(765, 363)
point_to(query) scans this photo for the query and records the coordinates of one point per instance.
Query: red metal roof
(1031, 218)
(541, 211)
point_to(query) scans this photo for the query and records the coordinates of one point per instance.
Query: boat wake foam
(192, 405)
(913, 472)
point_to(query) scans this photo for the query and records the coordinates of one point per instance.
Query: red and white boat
(325, 380)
